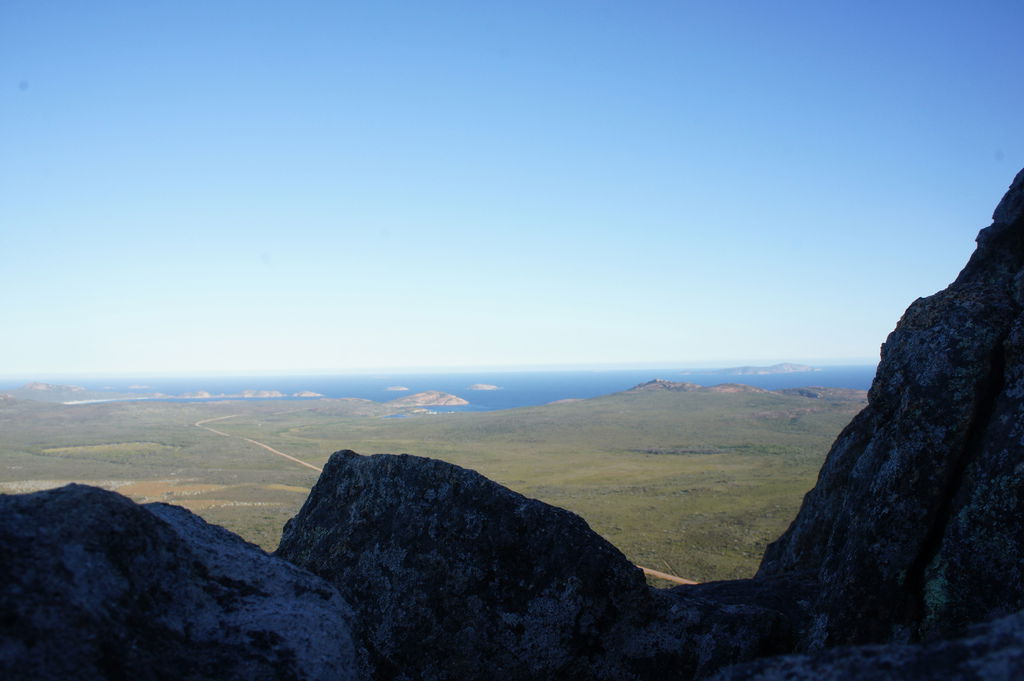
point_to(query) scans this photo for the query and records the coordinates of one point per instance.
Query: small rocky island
(904, 561)
(483, 386)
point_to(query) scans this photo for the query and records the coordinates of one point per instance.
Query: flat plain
(690, 483)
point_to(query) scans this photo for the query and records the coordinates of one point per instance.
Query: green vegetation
(691, 483)
(129, 450)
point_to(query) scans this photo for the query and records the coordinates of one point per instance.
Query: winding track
(202, 424)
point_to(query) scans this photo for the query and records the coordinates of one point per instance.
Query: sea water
(514, 389)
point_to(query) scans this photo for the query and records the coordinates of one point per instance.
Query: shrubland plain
(689, 483)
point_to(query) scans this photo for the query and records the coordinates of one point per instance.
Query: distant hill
(50, 392)
(812, 392)
(784, 368)
(429, 398)
(661, 385)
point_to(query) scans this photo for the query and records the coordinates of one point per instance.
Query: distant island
(245, 394)
(784, 368)
(483, 386)
(430, 398)
(202, 394)
(396, 387)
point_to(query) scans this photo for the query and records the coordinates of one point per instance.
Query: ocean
(514, 389)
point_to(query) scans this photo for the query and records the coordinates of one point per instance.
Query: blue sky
(247, 186)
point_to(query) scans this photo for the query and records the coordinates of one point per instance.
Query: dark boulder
(93, 586)
(453, 576)
(916, 525)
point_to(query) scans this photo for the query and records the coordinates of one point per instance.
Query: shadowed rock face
(993, 651)
(450, 570)
(453, 576)
(916, 525)
(93, 586)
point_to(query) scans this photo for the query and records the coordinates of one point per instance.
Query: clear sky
(253, 186)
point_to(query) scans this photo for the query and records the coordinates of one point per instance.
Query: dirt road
(666, 576)
(200, 424)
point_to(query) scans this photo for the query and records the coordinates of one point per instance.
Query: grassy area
(694, 484)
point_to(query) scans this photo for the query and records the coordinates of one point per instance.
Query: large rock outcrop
(916, 525)
(94, 586)
(453, 576)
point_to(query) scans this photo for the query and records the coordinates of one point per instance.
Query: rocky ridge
(904, 561)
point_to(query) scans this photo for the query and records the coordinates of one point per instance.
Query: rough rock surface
(989, 652)
(916, 525)
(453, 576)
(93, 586)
